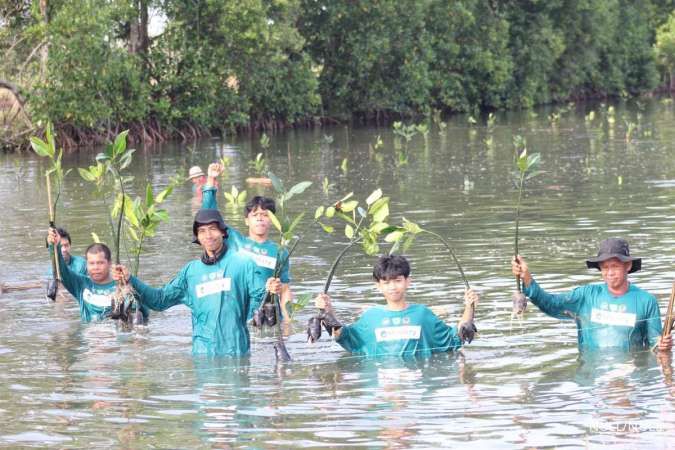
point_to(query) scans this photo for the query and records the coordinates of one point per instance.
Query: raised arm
(209, 190)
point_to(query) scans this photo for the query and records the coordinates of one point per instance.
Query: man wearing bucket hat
(221, 289)
(615, 313)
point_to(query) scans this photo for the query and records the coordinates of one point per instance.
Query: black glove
(467, 331)
(314, 329)
(330, 322)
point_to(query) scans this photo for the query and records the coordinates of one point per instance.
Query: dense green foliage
(92, 68)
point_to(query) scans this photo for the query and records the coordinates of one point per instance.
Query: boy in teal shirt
(399, 328)
(221, 289)
(76, 264)
(257, 246)
(613, 314)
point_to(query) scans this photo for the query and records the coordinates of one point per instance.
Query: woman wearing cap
(613, 314)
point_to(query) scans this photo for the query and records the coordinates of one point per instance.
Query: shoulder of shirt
(632, 288)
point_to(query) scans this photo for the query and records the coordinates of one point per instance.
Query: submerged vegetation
(96, 68)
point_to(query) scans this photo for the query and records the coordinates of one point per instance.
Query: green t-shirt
(414, 331)
(631, 321)
(221, 296)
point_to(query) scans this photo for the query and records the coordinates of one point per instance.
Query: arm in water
(560, 306)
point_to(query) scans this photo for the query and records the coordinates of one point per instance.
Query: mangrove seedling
(527, 168)
(54, 172)
(109, 165)
(259, 164)
(402, 238)
(270, 308)
(235, 198)
(363, 227)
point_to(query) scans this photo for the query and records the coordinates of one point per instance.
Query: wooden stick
(668, 322)
(55, 259)
(6, 287)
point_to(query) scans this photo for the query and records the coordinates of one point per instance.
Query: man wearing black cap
(615, 313)
(221, 289)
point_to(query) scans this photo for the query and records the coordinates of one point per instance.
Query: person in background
(76, 264)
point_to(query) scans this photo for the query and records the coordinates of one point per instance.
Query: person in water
(93, 291)
(221, 289)
(257, 246)
(399, 328)
(76, 264)
(611, 314)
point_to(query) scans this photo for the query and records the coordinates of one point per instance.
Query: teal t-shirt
(93, 298)
(414, 331)
(631, 321)
(221, 296)
(263, 254)
(76, 264)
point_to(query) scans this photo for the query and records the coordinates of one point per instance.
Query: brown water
(70, 385)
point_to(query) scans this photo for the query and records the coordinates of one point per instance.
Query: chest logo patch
(213, 287)
(267, 262)
(398, 333)
(613, 318)
(100, 300)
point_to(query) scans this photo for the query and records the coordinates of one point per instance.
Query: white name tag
(261, 260)
(612, 318)
(398, 333)
(100, 300)
(213, 287)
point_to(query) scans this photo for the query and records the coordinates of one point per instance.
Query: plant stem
(452, 253)
(335, 264)
(515, 246)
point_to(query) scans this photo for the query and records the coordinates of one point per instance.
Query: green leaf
(230, 199)
(407, 243)
(95, 238)
(330, 212)
(51, 145)
(411, 227)
(370, 247)
(349, 206)
(241, 198)
(379, 227)
(394, 236)
(349, 231)
(375, 196)
(319, 212)
(327, 228)
(120, 144)
(86, 174)
(533, 160)
(162, 214)
(149, 197)
(275, 221)
(164, 194)
(300, 187)
(533, 174)
(132, 233)
(382, 213)
(295, 222)
(276, 182)
(39, 146)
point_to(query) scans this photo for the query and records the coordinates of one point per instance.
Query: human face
(259, 224)
(198, 180)
(98, 267)
(210, 238)
(394, 289)
(65, 249)
(615, 274)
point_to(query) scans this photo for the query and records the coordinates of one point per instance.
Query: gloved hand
(330, 322)
(467, 331)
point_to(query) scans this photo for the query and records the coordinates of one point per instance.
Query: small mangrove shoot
(527, 168)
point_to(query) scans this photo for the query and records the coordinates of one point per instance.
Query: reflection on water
(520, 384)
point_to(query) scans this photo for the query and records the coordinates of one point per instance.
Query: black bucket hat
(614, 248)
(205, 217)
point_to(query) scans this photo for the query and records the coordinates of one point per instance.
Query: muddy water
(520, 384)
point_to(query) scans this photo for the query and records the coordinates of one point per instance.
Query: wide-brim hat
(614, 248)
(204, 217)
(194, 172)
